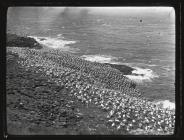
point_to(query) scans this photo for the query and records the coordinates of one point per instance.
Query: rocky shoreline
(14, 40)
(21, 41)
(63, 78)
(126, 70)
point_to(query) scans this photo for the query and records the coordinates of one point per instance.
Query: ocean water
(147, 45)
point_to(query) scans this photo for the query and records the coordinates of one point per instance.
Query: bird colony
(99, 84)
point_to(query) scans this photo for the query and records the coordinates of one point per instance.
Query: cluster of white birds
(98, 84)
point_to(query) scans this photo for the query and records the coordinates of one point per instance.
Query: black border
(179, 10)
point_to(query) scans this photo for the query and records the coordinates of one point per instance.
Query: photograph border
(177, 5)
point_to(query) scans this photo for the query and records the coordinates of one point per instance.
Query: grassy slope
(40, 91)
(37, 106)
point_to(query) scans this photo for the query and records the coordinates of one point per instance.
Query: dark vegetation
(14, 40)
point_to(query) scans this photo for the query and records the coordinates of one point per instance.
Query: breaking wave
(137, 75)
(100, 58)
(166, 104)
(55, 43)
(140, 75)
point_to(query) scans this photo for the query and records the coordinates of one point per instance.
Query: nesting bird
(107, 88)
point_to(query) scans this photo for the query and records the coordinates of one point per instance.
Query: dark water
(149, 44)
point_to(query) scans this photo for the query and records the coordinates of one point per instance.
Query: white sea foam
(54, 43)
(139, 75)
(105, 24)
(100, 58)
(167, 68)
(59, 35)
(152, 65)
(165, 104)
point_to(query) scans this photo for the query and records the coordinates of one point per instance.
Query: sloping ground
(58, 63)
(95, 85)
(36, 105)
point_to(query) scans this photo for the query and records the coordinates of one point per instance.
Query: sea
(144, 42)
